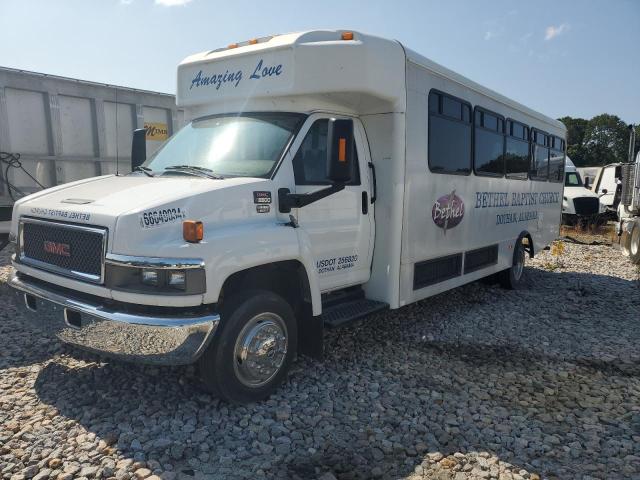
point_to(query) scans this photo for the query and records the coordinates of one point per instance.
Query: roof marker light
(253, 41)
(232, 45)
(347, 35)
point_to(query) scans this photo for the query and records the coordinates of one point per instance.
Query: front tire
(513, 277)
(253, 351)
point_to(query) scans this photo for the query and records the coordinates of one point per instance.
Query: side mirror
(341, 150)
(138, 148)
(587, 182)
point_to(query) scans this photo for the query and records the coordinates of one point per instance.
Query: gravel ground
(475, 383)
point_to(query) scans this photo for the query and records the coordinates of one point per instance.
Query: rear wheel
(513, 278)
(634, 243)
(253, 351)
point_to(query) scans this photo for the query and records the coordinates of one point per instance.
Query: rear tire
(252, 352)
(634, 243)
(513, 278)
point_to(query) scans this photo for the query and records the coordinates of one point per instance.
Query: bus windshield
(239, 145)
(572, 179)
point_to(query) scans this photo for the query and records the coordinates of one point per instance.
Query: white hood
(147, 210)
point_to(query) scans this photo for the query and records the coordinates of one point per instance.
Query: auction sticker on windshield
(162, 216)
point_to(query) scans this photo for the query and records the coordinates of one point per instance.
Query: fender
(237, 248)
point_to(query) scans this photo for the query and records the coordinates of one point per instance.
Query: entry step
(343, 313)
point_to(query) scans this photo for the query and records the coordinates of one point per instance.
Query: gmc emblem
(55, 248)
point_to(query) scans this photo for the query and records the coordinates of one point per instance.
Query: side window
(556, 160)
(449, 134)
(488, 143)
(540, 164)
(310, 162)
(517, 150)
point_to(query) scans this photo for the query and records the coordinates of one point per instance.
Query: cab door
(340, 226)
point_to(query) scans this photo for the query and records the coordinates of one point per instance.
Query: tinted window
(451, 108)
(488, 144)
(310, 162)
(556, 166)
(516, 158)
(540, 164)
(450, 135)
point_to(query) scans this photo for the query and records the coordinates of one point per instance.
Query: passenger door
(339, 226)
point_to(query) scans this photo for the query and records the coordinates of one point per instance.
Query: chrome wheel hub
(260, 349)
(634, 245)
(518, 266)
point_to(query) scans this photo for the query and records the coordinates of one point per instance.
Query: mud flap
(310, 333)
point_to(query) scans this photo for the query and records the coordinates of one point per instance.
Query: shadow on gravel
(546, 389)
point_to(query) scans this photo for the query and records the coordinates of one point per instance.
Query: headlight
(149, 280)
(150, 277)
(177, 279)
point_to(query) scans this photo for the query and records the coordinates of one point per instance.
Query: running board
(344, 313)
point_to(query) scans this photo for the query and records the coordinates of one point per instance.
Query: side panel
(492, 215)
(385, 133)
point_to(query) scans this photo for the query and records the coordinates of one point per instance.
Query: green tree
(606, 140)
(575, 136)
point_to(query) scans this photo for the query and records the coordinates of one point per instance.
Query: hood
(140, 210)
(578, 192)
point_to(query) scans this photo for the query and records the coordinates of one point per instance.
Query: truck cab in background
(578, 203)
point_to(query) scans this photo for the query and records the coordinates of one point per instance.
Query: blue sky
(577, 58)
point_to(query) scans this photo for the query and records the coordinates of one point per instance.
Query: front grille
(67, 249)
(628, 173)
(586, 206)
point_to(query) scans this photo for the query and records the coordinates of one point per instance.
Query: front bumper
(94, 326)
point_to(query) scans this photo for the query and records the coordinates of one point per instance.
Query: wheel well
(528, 244)
(287, 278)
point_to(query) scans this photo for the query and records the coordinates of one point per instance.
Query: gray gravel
(472, 384)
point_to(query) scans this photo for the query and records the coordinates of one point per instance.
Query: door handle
(375, 183)
(365, 203)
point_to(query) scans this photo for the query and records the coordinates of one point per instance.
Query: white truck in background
(628, 226)
(618, 186)
(322, 176)
(579, 204)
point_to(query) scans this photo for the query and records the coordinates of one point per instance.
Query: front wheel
(513, 278)
(253, 351)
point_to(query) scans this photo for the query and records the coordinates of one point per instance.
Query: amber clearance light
(192, 231)
(347, 35)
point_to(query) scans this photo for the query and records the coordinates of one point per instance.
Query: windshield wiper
(195, 170)
(146, 170)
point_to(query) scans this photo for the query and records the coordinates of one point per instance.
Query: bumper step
(347, 312)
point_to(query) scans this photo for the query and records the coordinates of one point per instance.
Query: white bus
(321, 176)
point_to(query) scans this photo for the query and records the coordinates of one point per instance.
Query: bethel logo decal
(448, 211)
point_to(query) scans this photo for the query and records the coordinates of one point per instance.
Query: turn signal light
(342, 150)
(347, 35)
(192, 231)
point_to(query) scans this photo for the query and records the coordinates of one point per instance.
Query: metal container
(66, 129)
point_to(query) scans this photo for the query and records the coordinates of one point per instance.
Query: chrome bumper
(162, 340)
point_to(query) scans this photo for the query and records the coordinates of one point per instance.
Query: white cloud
(126, 2)
(172, 3)
(552, 31)
(489, 34)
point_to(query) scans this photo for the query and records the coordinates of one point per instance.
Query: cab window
(310, 162)
(572, 180)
